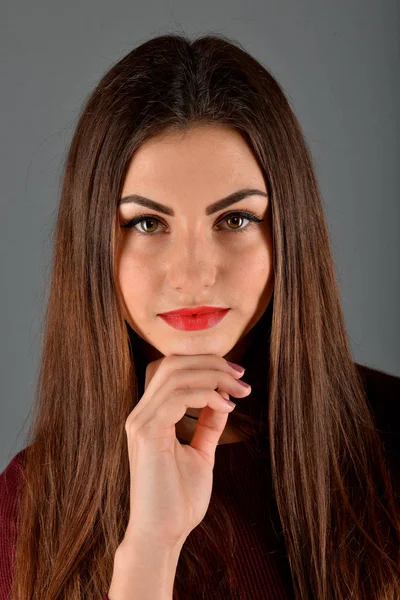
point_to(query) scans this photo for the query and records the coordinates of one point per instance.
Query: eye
(244, 214)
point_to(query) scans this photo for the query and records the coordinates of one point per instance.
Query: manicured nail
(236, 367)
(231, 404)
(244, 384)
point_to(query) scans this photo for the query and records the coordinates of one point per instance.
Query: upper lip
(194, 310)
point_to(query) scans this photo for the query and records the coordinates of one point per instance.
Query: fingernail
(232, 404)
(236, 367)
(244, 384)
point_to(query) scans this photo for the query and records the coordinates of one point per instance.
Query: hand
(171, 483)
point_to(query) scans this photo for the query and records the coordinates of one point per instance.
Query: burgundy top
(242, 480)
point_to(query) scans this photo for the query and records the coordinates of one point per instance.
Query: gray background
(338, 62)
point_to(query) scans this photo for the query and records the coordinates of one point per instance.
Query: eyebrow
(212, 208)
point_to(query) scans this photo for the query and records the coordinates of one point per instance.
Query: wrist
(144, 571)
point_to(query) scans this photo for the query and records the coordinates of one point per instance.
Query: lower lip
(193, 323)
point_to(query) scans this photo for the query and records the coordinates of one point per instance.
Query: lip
(194, 310)
(194, 322)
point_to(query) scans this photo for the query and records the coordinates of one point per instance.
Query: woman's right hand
(171, 483)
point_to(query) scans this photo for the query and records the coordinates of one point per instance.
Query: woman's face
(193, 258)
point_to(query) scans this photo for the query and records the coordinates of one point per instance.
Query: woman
(189, 183)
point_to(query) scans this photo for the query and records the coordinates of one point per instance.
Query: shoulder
(383, 394)
(10, 481)
(10, 477)
(10, 485)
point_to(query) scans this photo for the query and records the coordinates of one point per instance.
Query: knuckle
(224, 364)
(179, 393)
(130, 425)
(153, 366)
(142, 434)
(175, 379)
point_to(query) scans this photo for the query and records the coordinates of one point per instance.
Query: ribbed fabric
(242, 480)
(10, 480)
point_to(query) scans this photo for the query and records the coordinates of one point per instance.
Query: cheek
(136, 279)
(253, 265)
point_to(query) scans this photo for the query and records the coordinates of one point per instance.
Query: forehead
(211, 159)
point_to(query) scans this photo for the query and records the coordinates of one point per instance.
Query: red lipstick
(194, 318)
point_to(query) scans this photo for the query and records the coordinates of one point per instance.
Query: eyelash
(247, 214)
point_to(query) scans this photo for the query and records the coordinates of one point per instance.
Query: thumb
(210, 426)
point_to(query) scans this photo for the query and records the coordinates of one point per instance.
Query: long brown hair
(327, 461)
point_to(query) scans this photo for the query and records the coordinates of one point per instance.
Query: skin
(192, 258)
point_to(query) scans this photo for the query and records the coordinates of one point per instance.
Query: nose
(192, 267)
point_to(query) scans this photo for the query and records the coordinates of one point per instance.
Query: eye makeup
(245, 214)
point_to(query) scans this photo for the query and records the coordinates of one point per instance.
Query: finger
(185, 386)
(162, 372)
(164, 367)
(158, 425)
(210, 426)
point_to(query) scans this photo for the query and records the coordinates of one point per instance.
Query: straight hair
(330, 478)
